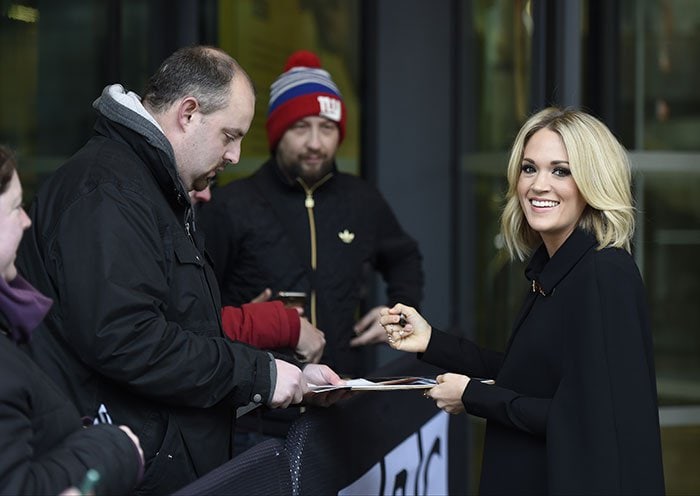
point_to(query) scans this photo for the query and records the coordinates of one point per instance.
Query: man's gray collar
(126, 108)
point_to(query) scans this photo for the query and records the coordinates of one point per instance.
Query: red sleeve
(265, 325)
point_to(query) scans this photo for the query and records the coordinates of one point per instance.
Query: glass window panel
(503, 38)
(669, 221)
(670, 217)
(57, 57)
(134, 34)
(503, 32)
(660, 47)
(501, 283)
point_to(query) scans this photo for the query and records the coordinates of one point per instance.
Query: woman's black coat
(45, 448)
(574, 408)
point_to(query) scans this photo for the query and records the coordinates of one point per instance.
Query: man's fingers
(264, 296)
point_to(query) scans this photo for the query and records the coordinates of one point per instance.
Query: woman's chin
(9, 273)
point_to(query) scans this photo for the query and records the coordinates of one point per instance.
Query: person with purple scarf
(46, 447)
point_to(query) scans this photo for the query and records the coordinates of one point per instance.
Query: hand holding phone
(292, 299)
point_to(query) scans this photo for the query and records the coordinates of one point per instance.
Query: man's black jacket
(262, 232)
(136, 321)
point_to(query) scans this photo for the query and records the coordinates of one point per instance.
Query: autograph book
(380, 384)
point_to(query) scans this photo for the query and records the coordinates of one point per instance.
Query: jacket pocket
(170, 468)
(191, 302)
(186, 252)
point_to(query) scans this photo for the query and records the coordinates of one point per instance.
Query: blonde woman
(571, 404)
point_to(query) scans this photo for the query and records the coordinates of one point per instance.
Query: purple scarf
(23, 306)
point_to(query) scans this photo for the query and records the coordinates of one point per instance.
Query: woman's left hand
(448, 392)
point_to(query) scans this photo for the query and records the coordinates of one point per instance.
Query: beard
(310, 174)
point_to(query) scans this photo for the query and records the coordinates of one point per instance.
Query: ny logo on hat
(329, 108)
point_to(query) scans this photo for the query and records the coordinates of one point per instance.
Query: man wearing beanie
(298, 224)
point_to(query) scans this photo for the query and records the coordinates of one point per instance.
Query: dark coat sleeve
(461, 355)
(45, 449)
(398, 258)
(508, 407)
(603, 427)
(120, 289)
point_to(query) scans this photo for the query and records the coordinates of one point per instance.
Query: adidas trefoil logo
(346, 236)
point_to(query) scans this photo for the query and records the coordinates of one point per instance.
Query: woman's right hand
(412, 337)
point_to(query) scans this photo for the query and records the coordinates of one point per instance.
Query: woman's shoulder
(12, 362)
(614, 258)
(22, 383)
(614, 265)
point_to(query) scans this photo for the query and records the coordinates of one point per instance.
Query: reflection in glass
(503, 30)
(672, 276)
(661, 41)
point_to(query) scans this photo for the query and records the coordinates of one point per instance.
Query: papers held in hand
(379, 384)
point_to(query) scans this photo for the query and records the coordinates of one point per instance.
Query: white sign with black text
(417, 466)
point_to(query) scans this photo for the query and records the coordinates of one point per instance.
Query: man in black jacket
(298, 224)
(135, 333)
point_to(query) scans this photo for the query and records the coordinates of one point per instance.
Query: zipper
(217, 309)
(189, 224)
(310, 203)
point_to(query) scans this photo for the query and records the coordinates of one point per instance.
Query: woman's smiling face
(548, 194)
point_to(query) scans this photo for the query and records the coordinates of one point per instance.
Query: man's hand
(264, 296)
(322, 375)
(311, 342)
(291, 385)
(369, 330)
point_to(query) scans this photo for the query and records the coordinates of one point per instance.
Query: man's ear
(186, 109)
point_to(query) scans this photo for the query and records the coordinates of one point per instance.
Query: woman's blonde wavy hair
(600, 168)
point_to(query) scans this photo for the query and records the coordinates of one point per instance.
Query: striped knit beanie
(303, 89)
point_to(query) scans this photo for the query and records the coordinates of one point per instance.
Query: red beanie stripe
(303, 90)
(291, 111)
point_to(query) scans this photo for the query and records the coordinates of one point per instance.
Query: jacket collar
(125, 107)
(271, 169)
(123, 117)
(545, 273)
